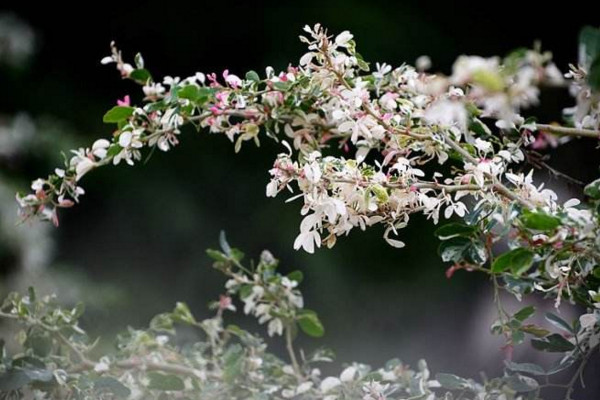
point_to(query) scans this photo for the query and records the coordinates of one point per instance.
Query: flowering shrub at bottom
(227, 362)
(355, 143)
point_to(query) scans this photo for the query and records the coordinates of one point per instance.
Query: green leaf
(593, 76)
(524, 313)
(539, 220)
(559, 323)
(459, 248)
(453, 248)
(111, 385)
(164, 382)
(237, 254)
(490, 80)
(141, 75)
(245, 291)
(162, 323)
(190, 92)
(452, 382)
(527, 368)
(520, 383)
(40, 343)
(182, 313)
(517, 261)
(13, 380)
(589, 45)
(479, 127)
(297, 276)
(593, 190)
(233, 362)
(252, 76)
(117, 114)
(554, 343)
(216, 255)
(535, 330)
(282, 86)
(113, 150)
(454, 229)
(310, 324)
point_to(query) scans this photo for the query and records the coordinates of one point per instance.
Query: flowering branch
(358, 139)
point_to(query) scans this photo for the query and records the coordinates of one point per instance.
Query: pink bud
(125, 102)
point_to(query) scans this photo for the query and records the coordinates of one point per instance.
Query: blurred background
(136, 243)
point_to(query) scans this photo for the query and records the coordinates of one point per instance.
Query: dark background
(138, 238)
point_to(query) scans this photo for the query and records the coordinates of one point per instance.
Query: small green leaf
(593, 190)
(479, 127)
(589, 45)
(141, 75)
(164, 382)
(452, 382)
(539, 220)
(535, 330)
(113, 150)
(517, 261)
(524, 313)
(310, 324)
(13, 380)
(454, 229)
(297, 276)
(252, 76)
(559, 323)
(593, 76)
(527, 368)
(453, 248)
(553, 343)
(111, 385)
(245, 291)
(233, 361)
(190, 92)
(117, 114)
(182, 313)
(522, 384)
(216, 255)
(162, 323)
(282, 86)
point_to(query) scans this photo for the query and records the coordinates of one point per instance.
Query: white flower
(307, 241)
(329, 383)
(275, 327)
(83, 167)
(382, 70)
(343, 38)
(483, 146)
(272, 188)
(348, 374)
(458, 208)
(466, 66)
(233, 80)
(103, 365)
(99, 148)
(447, 113)
(38, 184)
(423, 63)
